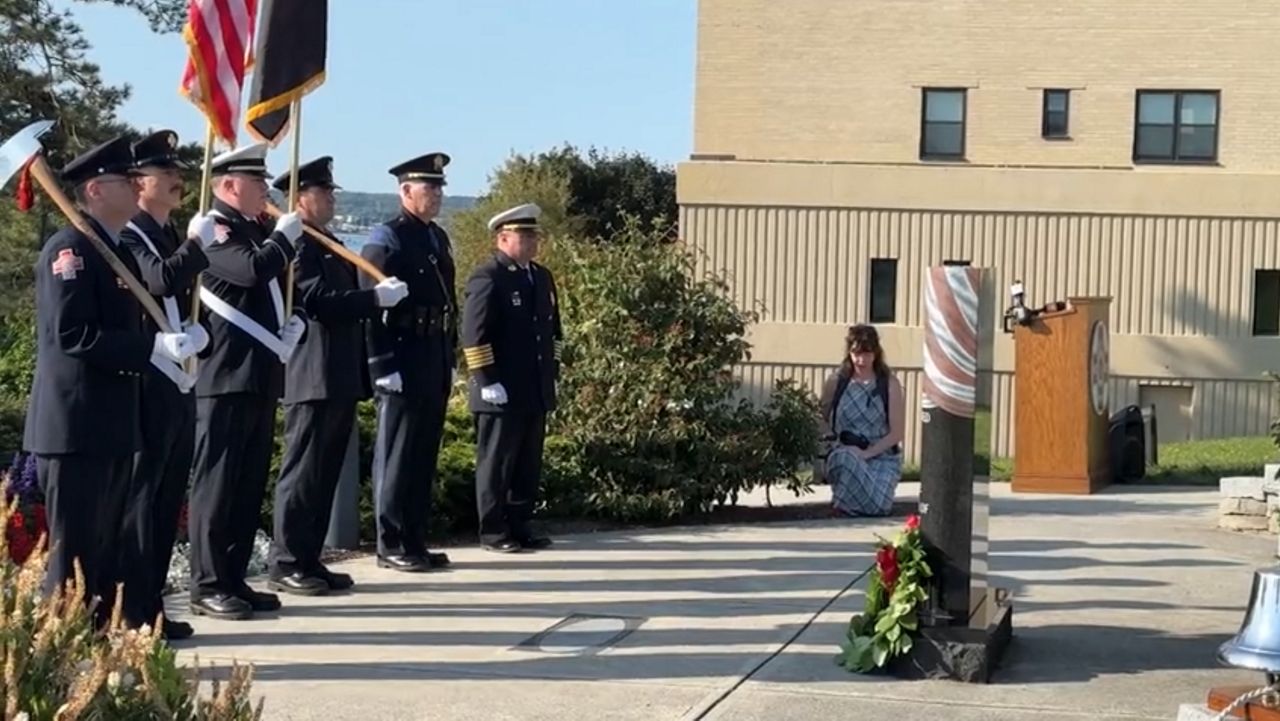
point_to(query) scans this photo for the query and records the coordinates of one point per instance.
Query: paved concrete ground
(1120, 600)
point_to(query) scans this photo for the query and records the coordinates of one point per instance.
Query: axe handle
(44, 176)
(339, 248)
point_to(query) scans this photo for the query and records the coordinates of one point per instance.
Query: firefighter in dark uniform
(511, 338)
(240, 384)
(412, 351)
(326, 377)
(92, 350)
(169, 265)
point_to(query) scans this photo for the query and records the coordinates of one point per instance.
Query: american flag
(219, 35)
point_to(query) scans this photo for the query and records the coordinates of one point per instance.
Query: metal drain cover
(582, 634)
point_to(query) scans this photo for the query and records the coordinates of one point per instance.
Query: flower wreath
(884, 629)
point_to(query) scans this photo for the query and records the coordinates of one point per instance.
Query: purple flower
(22, 479)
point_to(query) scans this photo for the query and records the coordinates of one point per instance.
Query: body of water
(354, 241)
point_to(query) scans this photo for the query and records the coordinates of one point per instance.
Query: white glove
(203, 228)
(391, 291)
(494, 394)
(290, 226)
(177, 347)
(290, 335)
(392, 383)
(199, 338)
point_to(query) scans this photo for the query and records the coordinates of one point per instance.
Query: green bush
(646, 398)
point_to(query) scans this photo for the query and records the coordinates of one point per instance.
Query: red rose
(887, 563)
(913, 522)
(20, 542)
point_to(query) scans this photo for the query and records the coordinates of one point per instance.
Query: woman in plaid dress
(863, 407)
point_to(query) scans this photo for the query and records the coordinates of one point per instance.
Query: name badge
(515, 299)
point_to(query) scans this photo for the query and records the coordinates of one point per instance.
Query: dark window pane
(1266, 302)
(1196, 142)
(1156, 108)
(1055, 101)
(944, 106)
(1055, 123)
(1155, 141)
(884, 289)
(1199, 109)
(943, 139)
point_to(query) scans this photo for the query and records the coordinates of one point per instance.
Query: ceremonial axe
(23, 148)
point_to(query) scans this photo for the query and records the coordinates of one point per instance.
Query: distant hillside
(357, 211)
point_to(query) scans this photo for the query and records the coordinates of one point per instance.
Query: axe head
(19, 149)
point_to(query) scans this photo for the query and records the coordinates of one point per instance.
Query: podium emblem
(1099, 368)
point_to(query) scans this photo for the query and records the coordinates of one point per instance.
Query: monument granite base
(968, 653)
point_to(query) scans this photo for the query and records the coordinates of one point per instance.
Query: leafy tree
(595, 197)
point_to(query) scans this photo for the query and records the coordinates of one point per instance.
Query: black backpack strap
(842, 383)
(882, 390)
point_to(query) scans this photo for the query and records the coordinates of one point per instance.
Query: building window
(942, 124)
(1176, 126)
(884, 289)
(1266, 302)
(1053, 123)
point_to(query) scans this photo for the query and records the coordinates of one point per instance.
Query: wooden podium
(1061, 413)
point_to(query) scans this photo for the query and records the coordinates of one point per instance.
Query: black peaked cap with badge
(429, 167)
(160, 150)
(313, 174)
(114, 157)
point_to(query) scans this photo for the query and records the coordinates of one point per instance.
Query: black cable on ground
(778, 651)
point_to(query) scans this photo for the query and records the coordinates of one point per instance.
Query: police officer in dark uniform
(412, 362)
(326, 377)
(511, 338)
(240, 383)
(92, 350)
(169, 264)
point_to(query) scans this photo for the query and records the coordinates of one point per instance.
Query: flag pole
(296, 116)
(205, 190)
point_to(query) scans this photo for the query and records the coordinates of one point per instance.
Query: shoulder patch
(67, 264)
(382, 235)
(221, 232)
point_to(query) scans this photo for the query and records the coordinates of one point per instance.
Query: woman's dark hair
(863, 338)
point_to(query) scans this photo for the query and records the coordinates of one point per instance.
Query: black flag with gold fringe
(289, 59)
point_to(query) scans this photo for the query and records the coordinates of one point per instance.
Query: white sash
(170, 304)
(235, 317)
(160, 363)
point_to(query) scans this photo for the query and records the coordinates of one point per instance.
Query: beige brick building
(1129, 149)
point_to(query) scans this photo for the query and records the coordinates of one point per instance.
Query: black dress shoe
(407, 564)
(258, 600)
(299, 583)
(534, 543)
(336, 581)
(176, 630)
(438, 560)
(502, 545)
(223, 606)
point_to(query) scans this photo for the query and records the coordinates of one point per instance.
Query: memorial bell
(1257, 645)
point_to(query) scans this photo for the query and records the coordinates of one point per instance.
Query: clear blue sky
(478, 79)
